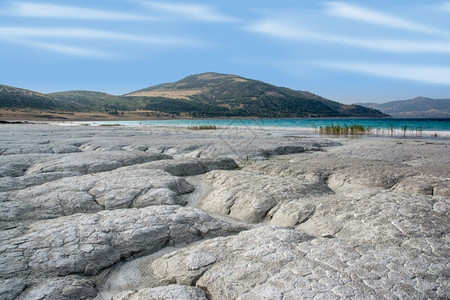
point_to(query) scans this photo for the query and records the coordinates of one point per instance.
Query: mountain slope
(419, 107)
(202, 95)
(238, 96)
(12, 97)
(97, 101)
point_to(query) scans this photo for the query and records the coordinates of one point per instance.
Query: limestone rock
(171, 292)
(192, 166)
(89, 163)
(184, 270)
(321, 226)
(292, 213)
(339, 173)
(13, 169)
(275, 263)
(121, 188)
(283, 150)
(248, 196)
(366, 220)
(17, 183)
(425, 185)
(67, 288)
(11, 288)
(88, 243)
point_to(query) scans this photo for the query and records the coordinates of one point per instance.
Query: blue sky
(348, 51)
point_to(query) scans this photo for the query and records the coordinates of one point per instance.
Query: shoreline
(395, 133)
(310, 131)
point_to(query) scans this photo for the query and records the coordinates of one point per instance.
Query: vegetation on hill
(230, 95)
(11, 97)
(97, 101)
(419, 107)
(202, 95)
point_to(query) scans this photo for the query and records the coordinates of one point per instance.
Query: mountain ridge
(418, 107)
(257, 97)
(199, 95)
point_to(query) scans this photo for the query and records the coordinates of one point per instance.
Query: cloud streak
(444, 6)
(353, 12)
(39, 10)
(201, 13)
(282, 29)
(418, 73)
(83, 33)
(66, 49)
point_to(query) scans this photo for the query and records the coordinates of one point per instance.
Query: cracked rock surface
(169, 213)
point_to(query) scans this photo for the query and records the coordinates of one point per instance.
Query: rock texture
(88, 243)
(249, 197)
(122, 188)
(169, 292)
(168, 213)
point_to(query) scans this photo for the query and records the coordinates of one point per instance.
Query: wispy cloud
(83, 33)
(66, 49)
(285, 30)
(444, 6)
(418, 73)
(349, 11)
(39, 10)
(194, 12)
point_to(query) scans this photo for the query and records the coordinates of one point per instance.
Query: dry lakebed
(118, 212)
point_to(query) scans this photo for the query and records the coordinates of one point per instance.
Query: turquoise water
(374, 124)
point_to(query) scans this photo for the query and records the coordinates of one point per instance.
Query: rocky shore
(171, 213)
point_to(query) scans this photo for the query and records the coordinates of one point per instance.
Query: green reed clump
(203, 127)
(109, 125)
(356, 129)
(404, 128)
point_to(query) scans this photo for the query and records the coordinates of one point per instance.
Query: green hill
(202, 95)
(98, 101)
(12, 97)
(231, 95)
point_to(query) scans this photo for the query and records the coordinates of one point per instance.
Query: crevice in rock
(208, 294)
(131, 204)
(394, 183)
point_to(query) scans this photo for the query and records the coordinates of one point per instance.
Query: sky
(347, 51)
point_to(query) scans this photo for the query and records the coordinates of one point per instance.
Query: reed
(404, 128)
(203, 127)
(392, 129)
(356, 129)
(109, 125)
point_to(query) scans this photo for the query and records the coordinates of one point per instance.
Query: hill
(12, 97)
(202, 95)
(98, 101)
(230, 95)
(419, 107)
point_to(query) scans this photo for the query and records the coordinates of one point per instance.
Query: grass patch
(356, 129)
(203, 127)
(109, 125)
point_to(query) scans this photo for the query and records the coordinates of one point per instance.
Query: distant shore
(273, 130)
